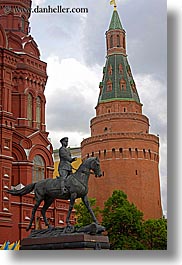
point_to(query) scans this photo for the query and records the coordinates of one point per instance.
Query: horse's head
(95, 166)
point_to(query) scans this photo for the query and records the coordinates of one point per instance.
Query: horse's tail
(27, 189)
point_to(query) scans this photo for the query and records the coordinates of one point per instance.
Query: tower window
(118, 41)
(136, 172)
(144, 153)
(124, 109)
(136, 152)
(120, 69)
(124, 42)
(130, 153)
(111, 42)
(22, 23)
(29, 110)
(38, 112)
(113, 153)
(121, 152)
(110, 70)
(105, 129)
(109, 86)
(123, 85)
(104, 153)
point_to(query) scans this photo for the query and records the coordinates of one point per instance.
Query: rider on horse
(64, 167)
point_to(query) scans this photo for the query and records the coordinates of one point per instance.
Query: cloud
(38, 2)
(153, 96)
(72, 91)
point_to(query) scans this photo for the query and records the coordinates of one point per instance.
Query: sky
(74, 47)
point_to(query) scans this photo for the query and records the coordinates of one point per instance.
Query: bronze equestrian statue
(76, 185)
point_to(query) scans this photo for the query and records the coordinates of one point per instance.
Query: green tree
(82, 215)
(155, 234)
(123, 222)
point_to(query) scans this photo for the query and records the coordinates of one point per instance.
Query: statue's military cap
(64, 138)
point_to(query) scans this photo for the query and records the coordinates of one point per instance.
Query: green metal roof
(116, 77)
(115, 21)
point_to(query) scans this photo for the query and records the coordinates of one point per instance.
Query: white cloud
(153, 96)
(67, 73)
(38, 2)
(71, 91)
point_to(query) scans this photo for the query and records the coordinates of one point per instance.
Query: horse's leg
(38, 201)
(72, 201)
(47, 203)
(87, 204)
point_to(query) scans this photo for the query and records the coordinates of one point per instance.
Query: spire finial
(113, 2)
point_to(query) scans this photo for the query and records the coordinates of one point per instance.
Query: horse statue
(76, 187)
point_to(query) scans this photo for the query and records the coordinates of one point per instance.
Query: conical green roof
(115, 21)
(117, 74)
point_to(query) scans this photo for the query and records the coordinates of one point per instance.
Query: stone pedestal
(75, 241)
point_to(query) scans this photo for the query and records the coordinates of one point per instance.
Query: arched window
(110, 70)
(124, 42)
(22, 23)
(111, 42)
(121, 152)
(144, 153)
(109, 86)
(118, 41)
(38, 168)
(120, 69)
(130, 153)
(136, 152)
(38, 112)
(113, 153)
(122, 85)
(29, 110)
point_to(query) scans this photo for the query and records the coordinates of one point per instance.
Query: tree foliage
(155, 234)
(83, 217)
(123, 222)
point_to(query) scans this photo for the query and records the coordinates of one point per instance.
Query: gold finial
(113, 2)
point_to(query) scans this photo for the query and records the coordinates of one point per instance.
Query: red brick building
(25, 151)
(120, 136)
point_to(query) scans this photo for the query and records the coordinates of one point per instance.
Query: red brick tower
(25, 151)
(120, 136)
